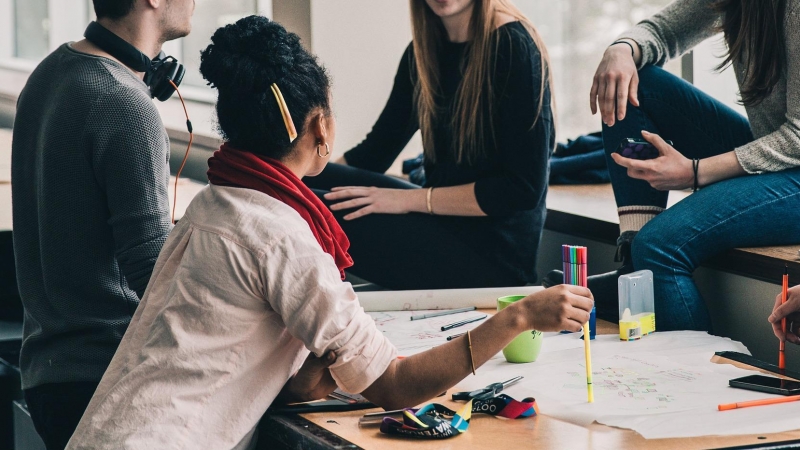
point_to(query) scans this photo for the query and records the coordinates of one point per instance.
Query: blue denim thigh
(697, 124)
(749, 211)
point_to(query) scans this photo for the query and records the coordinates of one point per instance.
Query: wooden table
(341, 430)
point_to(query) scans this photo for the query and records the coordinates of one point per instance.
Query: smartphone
(770, 385)
(638, 149)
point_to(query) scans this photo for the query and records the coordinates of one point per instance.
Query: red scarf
(236, 168)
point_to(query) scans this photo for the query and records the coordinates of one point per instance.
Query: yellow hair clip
(287, 118)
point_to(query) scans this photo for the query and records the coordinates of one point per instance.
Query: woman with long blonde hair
(476, 82)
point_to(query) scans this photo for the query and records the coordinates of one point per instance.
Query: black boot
(604, 287)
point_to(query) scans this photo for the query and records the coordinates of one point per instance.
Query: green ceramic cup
(524, 348)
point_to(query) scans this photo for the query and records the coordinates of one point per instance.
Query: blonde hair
(475, 94)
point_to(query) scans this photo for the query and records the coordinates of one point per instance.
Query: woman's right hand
(615, 83)
(563, 307)
(428, 373)
(791, 311)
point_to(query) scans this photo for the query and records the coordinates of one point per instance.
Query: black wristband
(695, 166)
(633, 53)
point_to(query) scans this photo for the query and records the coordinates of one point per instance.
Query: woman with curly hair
(249, 283)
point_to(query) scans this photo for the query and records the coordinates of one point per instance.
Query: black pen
(450, 338)
(462, 322)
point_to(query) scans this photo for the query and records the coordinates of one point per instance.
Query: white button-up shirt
(239, 295)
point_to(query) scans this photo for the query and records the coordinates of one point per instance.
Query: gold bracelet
(471, 359)
(428, 201)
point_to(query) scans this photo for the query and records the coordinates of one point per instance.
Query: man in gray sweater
(90, 203)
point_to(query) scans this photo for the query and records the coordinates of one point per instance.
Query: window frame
(67, 19)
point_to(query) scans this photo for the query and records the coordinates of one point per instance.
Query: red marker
(782, 348)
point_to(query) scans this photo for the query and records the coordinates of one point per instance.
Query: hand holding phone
(638, 149)
(656, 162)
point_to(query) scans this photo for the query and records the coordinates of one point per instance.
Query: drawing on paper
(622, 382)
(644, 387)
(382, 319)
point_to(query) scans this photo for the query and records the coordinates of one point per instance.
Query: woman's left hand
(670, 171)
(371, 200)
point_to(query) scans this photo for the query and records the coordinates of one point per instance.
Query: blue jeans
(748, 211)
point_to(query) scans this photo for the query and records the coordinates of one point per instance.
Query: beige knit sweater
(776, 121)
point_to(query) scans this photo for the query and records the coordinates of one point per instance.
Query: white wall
(6, 28)
(71, 24)
(360, 42)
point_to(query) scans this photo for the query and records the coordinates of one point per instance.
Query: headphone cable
(188, 147)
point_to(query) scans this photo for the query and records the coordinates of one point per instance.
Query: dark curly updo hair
(242, 62)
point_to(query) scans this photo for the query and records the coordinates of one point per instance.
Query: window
(576, 33)
(208, 16)
(32, 29)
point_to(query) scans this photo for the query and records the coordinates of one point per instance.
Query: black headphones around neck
(158, 72)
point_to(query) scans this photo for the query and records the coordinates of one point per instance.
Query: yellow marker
(588, 353)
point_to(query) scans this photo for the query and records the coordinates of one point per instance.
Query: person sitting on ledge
(745, 172)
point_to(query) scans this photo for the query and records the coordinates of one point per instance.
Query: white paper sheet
(667, 387)
(662, 386)
(438, 298)
(415, 336)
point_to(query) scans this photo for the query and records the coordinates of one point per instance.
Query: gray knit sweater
(776, 121)
(89, 184)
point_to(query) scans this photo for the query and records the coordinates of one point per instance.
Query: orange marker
(767, 401)
(782, 348)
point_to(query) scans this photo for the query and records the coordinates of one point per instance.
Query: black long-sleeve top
(511, 178)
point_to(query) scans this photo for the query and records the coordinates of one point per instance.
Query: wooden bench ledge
(589, 211)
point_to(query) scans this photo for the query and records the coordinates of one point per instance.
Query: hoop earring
(327, 152)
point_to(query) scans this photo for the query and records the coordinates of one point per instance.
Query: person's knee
(652, 250)
(642, 252)
(651, 76)
(657, 83)
(662, 246)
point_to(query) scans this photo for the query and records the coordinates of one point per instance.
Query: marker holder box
(637, 314)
